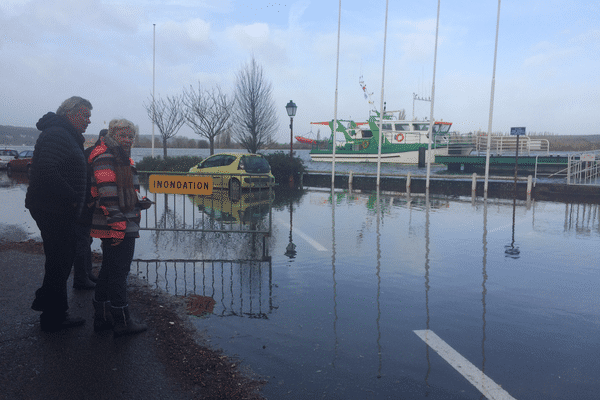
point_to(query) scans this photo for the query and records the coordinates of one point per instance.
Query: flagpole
(381, 110)
(431, 120)
(489, 134)
(334, 126)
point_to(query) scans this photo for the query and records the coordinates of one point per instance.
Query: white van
(6, 155)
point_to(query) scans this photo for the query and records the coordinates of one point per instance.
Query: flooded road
(389, 296)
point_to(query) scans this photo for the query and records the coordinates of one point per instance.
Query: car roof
(236, 154)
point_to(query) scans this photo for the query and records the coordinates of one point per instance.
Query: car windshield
(24, 154)
(255, 164)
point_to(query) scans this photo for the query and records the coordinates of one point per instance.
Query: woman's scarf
(123, 171)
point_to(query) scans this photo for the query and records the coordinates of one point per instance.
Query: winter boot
(103, 319)
(124, 325)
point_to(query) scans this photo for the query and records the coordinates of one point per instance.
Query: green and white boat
(401, 140)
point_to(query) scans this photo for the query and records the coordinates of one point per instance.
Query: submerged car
(237, 171)
(20, 163)
(6, 155)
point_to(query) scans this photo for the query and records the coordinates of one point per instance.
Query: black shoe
(86, 286)
(52, 324)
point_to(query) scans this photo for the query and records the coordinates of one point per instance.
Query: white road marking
(490, 389)
(304, 236)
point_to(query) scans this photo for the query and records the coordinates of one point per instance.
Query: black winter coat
(57, 182)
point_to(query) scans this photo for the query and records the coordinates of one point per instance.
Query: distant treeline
(18, 136)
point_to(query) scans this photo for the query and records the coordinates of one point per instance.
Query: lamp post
(291, 111)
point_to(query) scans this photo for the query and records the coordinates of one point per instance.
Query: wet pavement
(75, 363)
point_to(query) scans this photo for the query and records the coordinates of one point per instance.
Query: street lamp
(291, 111)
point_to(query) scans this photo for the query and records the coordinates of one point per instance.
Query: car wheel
(235, 190)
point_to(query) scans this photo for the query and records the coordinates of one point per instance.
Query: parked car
(20, 163)
(6, 155)
(237, 171)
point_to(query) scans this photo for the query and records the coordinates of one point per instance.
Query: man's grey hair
(73, 103)
(121, 123)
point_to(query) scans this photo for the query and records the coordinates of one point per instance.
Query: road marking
(490, 389)
(304, 236)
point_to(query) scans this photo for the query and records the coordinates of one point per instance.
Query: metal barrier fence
(584, 168)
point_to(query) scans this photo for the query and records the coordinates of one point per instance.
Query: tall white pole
(489, 133)
(153, 70)
(335, 122)
(381, 111)
(431, 120)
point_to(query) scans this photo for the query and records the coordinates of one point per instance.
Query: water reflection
(334, 285)
(290, 249)
(231, 288)
(483, 287)
(427, 287)
(583, 218)
(512, 250)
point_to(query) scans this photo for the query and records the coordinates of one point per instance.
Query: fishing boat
(401, 141)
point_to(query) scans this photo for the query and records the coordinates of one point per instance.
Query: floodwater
(512, 288)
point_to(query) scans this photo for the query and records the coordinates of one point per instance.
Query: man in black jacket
(55, 198)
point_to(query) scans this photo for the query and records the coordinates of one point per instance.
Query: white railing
(584, 168)
(507, 145)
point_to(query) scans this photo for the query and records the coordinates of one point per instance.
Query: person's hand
(116, 242)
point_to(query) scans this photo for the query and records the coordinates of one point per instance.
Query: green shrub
(172, 164)
(282, 167)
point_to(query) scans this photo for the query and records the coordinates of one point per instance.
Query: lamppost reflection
(511, 250)
(290, 250)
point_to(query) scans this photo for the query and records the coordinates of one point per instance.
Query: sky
(546, 76)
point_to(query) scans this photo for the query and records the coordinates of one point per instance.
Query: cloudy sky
(547, 74)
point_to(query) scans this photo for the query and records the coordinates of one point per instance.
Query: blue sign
(517, 131)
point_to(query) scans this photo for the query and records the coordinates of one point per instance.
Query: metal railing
(584, 168)
(507, 145)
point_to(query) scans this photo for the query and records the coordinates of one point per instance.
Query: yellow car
(236, 171)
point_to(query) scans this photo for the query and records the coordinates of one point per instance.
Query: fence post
(529, 181)
(408, 182)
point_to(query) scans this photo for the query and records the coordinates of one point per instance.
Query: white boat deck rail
(507, 145)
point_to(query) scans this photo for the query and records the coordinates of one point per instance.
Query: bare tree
(255, 120)
(168, 116)
(208, 112)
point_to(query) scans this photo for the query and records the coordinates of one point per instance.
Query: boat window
(402, 127)
(421, 127)
(367, 134)
(441, 128)
(386, 127)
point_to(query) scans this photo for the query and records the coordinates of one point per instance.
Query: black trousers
(112, 278)
(58, 234)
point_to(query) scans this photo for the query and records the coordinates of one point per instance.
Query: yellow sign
(174, 184)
